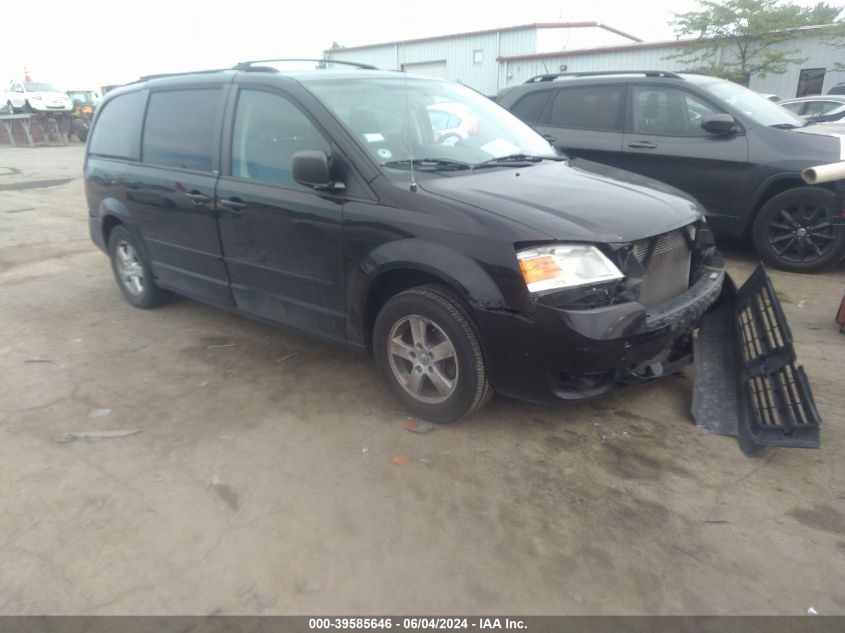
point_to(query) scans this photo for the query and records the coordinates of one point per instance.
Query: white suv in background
(28, 96)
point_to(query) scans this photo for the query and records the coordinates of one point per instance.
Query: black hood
(578, 201)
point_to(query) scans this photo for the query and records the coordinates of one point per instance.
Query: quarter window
(117, 133)
(269, 130)
(180, 129)
(668, 111)
(590, 107)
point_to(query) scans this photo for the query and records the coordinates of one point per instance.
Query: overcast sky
(90, 43)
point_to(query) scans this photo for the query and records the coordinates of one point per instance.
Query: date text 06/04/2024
(414, 624)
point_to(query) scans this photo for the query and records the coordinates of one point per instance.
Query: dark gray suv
(737, 153)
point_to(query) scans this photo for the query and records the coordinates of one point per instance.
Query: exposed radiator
(668, 268)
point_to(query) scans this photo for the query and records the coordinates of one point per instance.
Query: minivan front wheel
(792, 231)
(132, 272)
(426, 348)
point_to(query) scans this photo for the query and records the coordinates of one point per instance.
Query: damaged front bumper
(747, 383)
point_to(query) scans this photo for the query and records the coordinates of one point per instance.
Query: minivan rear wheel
(132, 272)
(427, 349)
(792, 232)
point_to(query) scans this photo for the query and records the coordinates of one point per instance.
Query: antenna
(408, 128)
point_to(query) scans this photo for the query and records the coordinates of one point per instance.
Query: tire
(27, 107)
(79, 129)
(790, 231)
(139, 289)
(11, 107)
(445, 321)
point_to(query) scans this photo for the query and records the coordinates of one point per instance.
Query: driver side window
(667, 111)
(268, 131)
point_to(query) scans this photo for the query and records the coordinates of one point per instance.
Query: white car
(452, 122)
(28, 96)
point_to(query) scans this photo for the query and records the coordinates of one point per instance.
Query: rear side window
(530, 107)
(821, 107)
(180, 129)
(590, 107)
(118, 130)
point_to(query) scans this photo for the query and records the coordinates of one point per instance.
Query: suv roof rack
(178, 74)
(249, 65)
(598, 73)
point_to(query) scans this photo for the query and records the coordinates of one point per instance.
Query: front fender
(460, 272)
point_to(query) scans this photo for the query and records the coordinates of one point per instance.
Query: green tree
(740, 38)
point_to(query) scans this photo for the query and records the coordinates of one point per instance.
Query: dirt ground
(263, 479)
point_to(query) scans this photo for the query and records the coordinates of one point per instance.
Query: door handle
(234, 205)
(642, 145)
(197, 198)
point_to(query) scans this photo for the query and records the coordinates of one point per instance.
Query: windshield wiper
(787, 126)
(431, 163)
(516, 158)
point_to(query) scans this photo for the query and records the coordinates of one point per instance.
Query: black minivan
(466, 260)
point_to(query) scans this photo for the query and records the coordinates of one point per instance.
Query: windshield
(750, 103)
(427, 119)
(31, 87)
(82, 96)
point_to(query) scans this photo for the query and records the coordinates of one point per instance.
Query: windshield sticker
(500, 147)
(373, 137)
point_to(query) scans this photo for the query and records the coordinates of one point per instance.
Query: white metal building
(473, 58)
(494, 59)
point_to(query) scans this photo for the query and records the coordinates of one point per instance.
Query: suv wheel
(132, 272)
(792, 232)
(426, 347)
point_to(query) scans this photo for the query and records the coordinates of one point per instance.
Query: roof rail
(600, 73)
(249, 65)
(186, 72)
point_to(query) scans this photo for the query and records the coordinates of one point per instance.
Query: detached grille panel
(667, 269)
(779, 393)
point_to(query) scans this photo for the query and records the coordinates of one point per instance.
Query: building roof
(535, 25)
(638, 46)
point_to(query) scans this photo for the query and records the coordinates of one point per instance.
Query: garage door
(432, 69)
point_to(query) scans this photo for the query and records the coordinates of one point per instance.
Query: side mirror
(718, 124)
(311, 168)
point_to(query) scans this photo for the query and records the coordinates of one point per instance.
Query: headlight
(565, 266)
(35, 97)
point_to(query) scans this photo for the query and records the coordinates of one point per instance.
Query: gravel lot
(265, 476)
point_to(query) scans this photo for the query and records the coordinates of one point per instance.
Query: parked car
(324, 200)
(838, 89)
(452, 122)
(737, 153)
(817, 108)
(28, 96)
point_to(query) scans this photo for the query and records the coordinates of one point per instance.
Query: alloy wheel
(423, 359)
(801, 233)
(129, 268)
